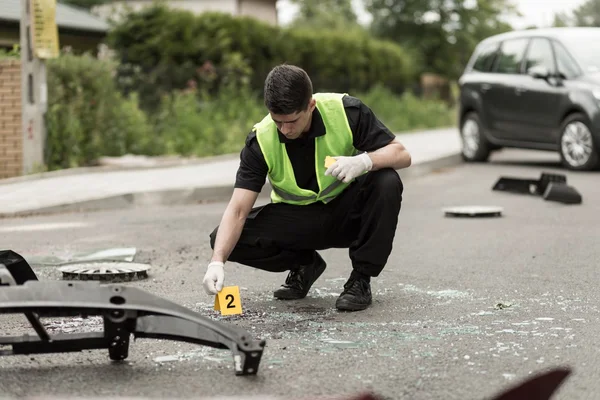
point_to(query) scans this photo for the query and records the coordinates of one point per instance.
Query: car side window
(485, 58)
(565, 65)
(510, 56)
(540, 53)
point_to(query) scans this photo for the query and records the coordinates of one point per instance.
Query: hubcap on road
(105, 271)
(577, 144)
(470, 134)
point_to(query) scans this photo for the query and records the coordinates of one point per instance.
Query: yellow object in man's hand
(329, 161)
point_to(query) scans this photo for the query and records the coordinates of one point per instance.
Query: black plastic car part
(126, 311)
(552, 187)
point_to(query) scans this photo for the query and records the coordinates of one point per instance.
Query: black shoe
(356, 295)
(300, 280)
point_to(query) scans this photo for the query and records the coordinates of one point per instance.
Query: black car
(534, 89)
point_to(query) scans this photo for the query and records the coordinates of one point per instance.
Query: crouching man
(353, 203)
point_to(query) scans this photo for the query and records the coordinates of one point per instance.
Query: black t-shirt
(369, 134)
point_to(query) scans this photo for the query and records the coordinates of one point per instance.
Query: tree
(561, 20)
(444, 32)
(588, 14)
(87, 4)
(325, 14)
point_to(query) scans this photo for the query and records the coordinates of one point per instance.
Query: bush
(339, 61)
(209, 110)
(162, 50)
(216, 124)
(407, 112)
(13, 54)
(194, 124)
(87, 116)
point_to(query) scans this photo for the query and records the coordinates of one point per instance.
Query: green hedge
(408, 112)
(192, 124)
(191, 85)
(163, 49)
(87, 117)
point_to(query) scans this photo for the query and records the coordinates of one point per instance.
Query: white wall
(261, 9)
(198, 6)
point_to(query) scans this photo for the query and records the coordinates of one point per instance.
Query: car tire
(577, 149)
(475, 146)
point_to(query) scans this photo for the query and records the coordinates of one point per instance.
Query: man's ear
(312, 104)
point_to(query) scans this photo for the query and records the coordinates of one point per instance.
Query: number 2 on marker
(230, 298)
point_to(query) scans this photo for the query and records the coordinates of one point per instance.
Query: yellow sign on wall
(44, 31)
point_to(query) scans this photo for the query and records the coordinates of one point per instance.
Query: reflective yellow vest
(337, 141)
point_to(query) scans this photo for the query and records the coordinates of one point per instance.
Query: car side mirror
(538, 72)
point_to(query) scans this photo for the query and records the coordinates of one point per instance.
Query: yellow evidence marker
(228, 301)
(329, 161)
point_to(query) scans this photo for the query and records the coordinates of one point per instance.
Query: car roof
(556, 33)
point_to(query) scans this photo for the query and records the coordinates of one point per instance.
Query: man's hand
(348, 168)
(214, 277)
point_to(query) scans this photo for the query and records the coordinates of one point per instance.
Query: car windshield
(585, 48)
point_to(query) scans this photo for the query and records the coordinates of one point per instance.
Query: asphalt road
(464, 309)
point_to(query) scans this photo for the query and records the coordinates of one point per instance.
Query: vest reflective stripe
(337, 141)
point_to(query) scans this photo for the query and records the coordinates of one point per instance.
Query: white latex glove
(214, 277)
(348, 168)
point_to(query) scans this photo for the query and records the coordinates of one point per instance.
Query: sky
(535, 12)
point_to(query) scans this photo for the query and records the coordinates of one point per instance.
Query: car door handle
(485, 87)
(520, 90)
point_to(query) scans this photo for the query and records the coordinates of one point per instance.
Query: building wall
(11, 141)
(263, 10)
(114, 10)
(197, 7)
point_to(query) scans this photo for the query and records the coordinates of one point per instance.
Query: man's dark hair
(288, 89)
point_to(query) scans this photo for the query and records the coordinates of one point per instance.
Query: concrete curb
(153, 163)
(112, 168)
(200, 194)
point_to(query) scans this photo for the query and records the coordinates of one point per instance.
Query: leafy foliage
(444, 33)
(586, 15)
(87, 116)
(326, 15)
(162, 50)
(407, 112)
(14, 53)
(191, 85)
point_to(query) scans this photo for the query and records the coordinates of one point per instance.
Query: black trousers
(278, 237)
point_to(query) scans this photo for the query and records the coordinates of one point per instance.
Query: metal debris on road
(125, 312)
(552, 187)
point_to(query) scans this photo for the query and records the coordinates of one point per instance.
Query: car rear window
(510, 56)
(485, 58)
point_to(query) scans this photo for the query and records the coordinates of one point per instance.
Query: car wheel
(475, 147)
(577, 148)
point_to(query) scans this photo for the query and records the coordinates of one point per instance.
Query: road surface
(464, 309)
